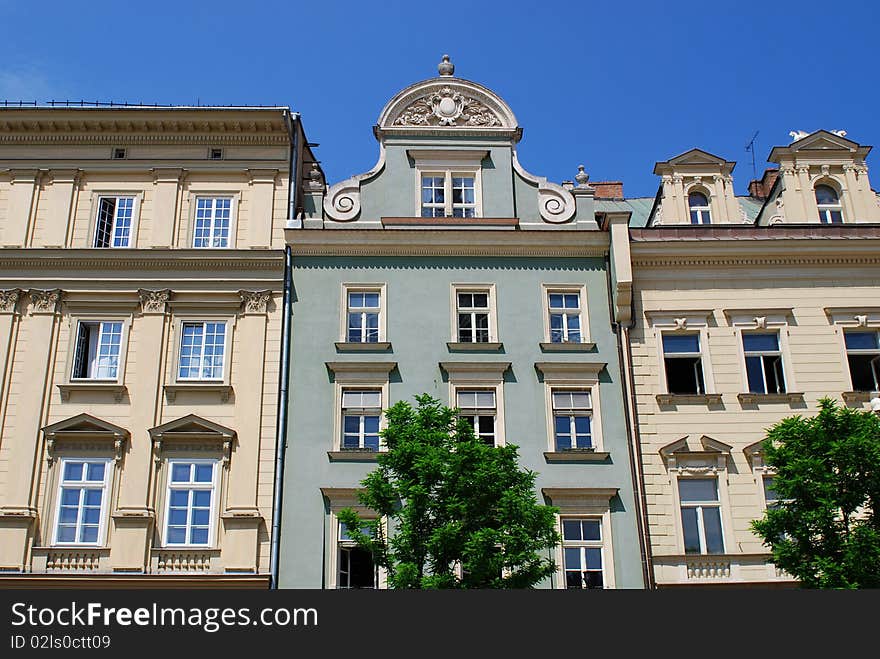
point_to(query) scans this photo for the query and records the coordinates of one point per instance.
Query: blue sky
(615, 86)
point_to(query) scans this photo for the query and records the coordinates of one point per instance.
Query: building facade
(746, 310)
(449, 269)
(140, 327)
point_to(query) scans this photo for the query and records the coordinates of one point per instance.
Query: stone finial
(796, 135)
(581, 177)
(315, 182)
(446, 68)
(839, 133)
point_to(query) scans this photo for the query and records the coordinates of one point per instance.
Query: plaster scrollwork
(255, 301)
(861, 320)
(8, 300)
(446, 106)
(154, 301)
(555, 203)
(343, 200)
(680, 323)
(45, 301)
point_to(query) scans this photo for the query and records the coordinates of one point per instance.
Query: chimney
(761, 189)
(608, 189)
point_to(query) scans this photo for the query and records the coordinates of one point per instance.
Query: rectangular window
(863, 355)
(361, 411)
(763, 363)
(572, 420)
(356, 566)
(96, 353)
(473, 316)
(683, 363)
(114, 222)
(770, 498)
(448, 194)
(82, 497)
(479, 410)
(202, 350)
(565, 317)
(363, 316)
(701, 515)
(189, 514)
(212, 222)
(582, 553)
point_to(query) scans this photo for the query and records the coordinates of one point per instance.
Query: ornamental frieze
(445, 106)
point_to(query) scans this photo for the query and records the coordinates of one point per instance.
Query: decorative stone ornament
(255, 301)
(582, 177)
(154, 301)
(8, 300)
(445, 67)
(45, 301)
(446, 106)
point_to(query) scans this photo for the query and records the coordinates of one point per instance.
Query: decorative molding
(45, 301)
(84, 431)
(685, 399)
(134, 259)
(446, 106)
(9, 300)
(473, 346)
(759, 318)
(566, 346)
(195, 433)
(749, 398)
(154, 301)
(576, 455)
(171, 390)
(679, 319)
(867, 316)
(587, 372)
(343, 200)
(118, 390)
(255, 302)
(555, 204)
(712, 456)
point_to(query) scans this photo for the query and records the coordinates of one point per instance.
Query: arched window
(699, 205)
(829, 205)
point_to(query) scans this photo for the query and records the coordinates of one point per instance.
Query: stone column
(134, 516)
(682, 213)
(858, 213)
(241, 518)
(807, 196)
(20, 206)
(21, 446)
(166, 182)
(720, 200)
(261, 202)
(59, 201)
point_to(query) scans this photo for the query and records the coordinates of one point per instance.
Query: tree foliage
(824, 530)
(460, 513)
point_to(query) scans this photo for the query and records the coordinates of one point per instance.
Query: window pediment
(703, 455)
(192, 432)
(84, 431)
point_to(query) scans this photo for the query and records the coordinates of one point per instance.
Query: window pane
(769, 491)
(199, 536)
(571, 529)
(592, 529)
(861, 340)
(712, 526)
(89, 534)
(677, 343)
(200, 517)
(691, 530)
(562, 425)
(698, 489)
(573, 580)
(179, 498)
(204, 473)
(825, 194)
(176, 535)
(180, 472)
(571, 300)
(593, 579)
(177, 516)
(67, 515)
(66, 534)
(371, 425)
(760, 342)
(202, 498)
(91, 515)
(572, 558)
(485, 399)
(73, 471)
(92, 498)
(481, 300)
(697, 199)
(557, 300)
(594, 558)
(755, 372)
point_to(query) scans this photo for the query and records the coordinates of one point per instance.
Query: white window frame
(699, 505)
(361, 412)
(573, 376)
(227, 346)
(233, 214)
(581, 291)
(686, 355)
(762, 354)
(764, 321)
(825, 210)
(213, 487)
(73, 331)
(480, 411)
(671, 322)
(341, 544)
(353, 287)
(471, 376)
(448, 163)
(359, 376)
(704, 213)
(582, 545)
(860, 352)
(105, 495)
(337, 499)
(98, 197)
(449, 206)
(572, 413)
(488, 289)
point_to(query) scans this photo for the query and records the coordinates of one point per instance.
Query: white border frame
(97, 195)
(581, 290)
(355, 287)
(456, 288)
(177, 337)
(73, 321)
(107, 491)
(215, 492)
(193, 196)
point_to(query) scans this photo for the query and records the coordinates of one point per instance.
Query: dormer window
(699, 207)
(448, 194)
(828, 202)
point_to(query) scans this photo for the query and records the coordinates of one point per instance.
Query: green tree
(461, 514)
(824, 529)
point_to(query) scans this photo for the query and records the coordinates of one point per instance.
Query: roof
(640, 207)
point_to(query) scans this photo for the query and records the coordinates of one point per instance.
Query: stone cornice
(449, 242)
(140, 259)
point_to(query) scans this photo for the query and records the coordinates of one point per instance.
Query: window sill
(756, 399)
(567, 347)
(380, 346)
(171, 390)
(859, 396)
(457, 346)
(353, 456)
(576, 455)
(680, 399)
(118, 390)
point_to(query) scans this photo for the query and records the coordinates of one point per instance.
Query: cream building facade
(746, 310)
(141, 281)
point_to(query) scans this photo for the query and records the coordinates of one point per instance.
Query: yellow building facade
(141, 280)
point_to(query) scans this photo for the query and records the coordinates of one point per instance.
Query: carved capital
(847, 167)
(154, 301)
(718, 178)
(8, 300)
(45, 301)
(786, 171)
(255, 301)
(677, 180)
(804, 169)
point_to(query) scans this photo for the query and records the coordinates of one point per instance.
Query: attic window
(119, 154)
(215, 154)
(829, 205)
(699, 207)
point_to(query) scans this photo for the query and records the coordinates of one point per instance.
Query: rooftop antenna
(750, 147)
